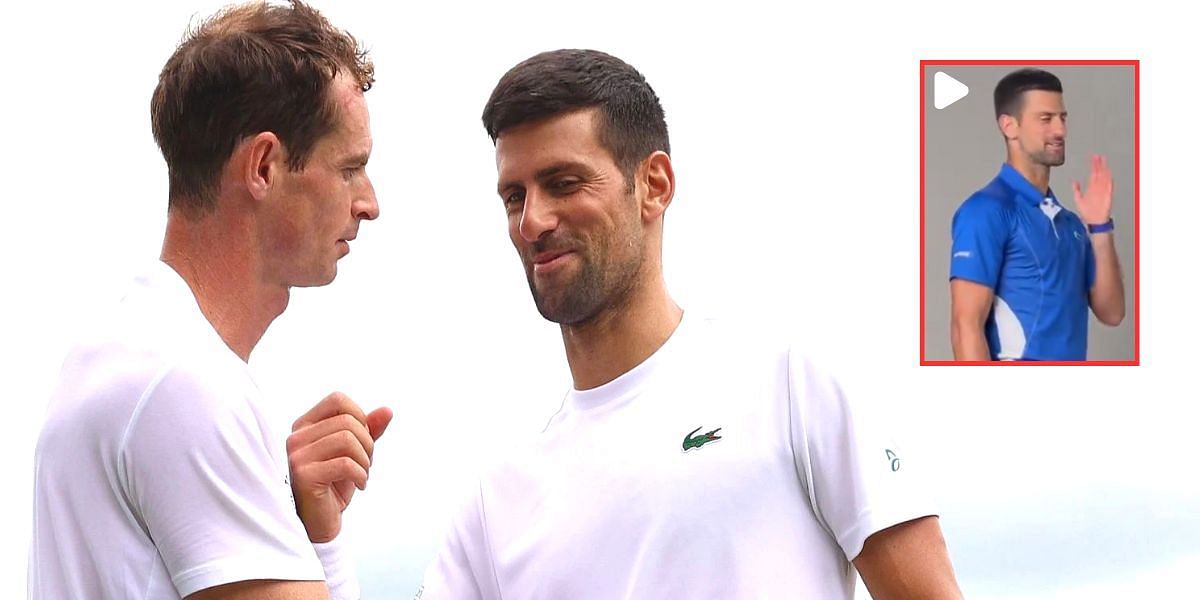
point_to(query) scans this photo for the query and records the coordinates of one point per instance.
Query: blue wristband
(1101, 228)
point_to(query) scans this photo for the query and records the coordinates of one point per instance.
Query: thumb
(1078, 192)
(378, 420)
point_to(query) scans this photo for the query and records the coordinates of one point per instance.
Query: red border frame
(1137, 267)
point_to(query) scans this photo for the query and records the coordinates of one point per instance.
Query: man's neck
(620, 338)
(224, 274)
(1037, 174)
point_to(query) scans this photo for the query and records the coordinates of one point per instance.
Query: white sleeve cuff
(340, 577)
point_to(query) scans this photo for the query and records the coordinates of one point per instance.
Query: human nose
(365, 205)
(537, 216)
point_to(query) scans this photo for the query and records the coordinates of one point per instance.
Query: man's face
(571, 217)
(1041, 128)
(322, 205)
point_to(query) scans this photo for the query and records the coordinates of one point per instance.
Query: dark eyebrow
(543, 174)
(553, 170)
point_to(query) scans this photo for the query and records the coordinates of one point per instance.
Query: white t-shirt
(155, 474)
(779, 486)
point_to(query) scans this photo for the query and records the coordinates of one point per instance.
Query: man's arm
(1107, 293)
(865, 492)
(204, 481)
(329, 455)
(970, 303)
(980, 232)
(908, 561)
(265, 590)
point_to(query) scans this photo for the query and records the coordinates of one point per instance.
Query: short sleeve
(463, 566)
(856, 475)
(979, 232)
(202, 481)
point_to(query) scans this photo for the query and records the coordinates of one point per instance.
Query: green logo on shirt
(690, 442)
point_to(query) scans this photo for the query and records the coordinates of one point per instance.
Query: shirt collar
(1015, 180)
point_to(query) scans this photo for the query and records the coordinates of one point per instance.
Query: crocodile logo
(690, 442)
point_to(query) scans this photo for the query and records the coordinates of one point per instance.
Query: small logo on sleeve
(962, 254)
(690, 442)
(895, 460)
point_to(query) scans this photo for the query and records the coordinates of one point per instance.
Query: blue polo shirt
(1037, 258)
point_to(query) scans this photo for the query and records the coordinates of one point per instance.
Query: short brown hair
(560, 81)
(247, 69)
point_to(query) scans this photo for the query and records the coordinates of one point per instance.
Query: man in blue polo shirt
(1023, 269)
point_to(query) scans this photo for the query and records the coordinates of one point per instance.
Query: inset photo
(1029, 212)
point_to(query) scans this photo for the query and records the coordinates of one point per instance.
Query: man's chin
(550, 308)
(557, 309)
(1051, 160)
(318, 279)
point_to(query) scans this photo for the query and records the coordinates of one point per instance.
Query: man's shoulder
(136, 354)
(753, 337)
(108, 386)
(747, 349)
(992, 200)
(138, 351)
(766, 344)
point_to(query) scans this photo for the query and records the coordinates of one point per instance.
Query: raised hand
(1095, 205)
(329, 455)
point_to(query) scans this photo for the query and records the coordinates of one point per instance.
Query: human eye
(512, 198)
(564, 185)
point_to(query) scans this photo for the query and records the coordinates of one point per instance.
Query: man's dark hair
(1010, 90)
(248, 69)
(552, 83)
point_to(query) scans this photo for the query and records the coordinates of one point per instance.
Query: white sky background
(795, 150)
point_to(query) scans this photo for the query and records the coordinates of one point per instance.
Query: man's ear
(1008, 126)
(657, 174)
(265, 160)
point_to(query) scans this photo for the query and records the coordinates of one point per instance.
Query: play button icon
(947, 90)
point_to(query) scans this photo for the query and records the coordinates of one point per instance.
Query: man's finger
(338, 443)
(378, 420)
(331, 471)
(311, 433)
(333, 404)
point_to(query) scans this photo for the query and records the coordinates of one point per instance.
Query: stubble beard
(604, 281)
(1048, 158)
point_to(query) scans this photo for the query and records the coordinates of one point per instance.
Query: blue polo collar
(1026, 190)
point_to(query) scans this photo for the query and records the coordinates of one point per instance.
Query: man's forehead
(524, 150)
(352, 120)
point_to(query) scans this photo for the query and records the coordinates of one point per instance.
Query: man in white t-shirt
(156, 475)
(689, 461)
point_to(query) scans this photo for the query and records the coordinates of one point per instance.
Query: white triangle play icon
(947, 90)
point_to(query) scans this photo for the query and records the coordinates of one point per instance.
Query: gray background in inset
(964, 151)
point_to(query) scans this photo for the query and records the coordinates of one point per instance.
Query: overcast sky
(794, 140)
